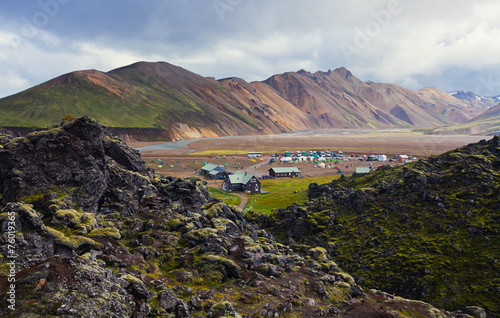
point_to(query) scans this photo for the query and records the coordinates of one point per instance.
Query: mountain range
(179, 104)
(475, 98)
(488, 123)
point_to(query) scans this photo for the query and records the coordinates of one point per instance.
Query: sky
(451, 45)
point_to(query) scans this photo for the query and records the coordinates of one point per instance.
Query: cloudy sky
(452, 45)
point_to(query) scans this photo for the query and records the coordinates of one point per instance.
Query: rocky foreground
(88, 231)
(428, 230)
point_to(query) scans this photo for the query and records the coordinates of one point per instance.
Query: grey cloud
(424, 43)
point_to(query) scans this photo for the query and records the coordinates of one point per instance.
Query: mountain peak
(343, 71)
(465, 95)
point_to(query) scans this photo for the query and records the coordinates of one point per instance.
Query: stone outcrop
(95, 234)
(426, 230)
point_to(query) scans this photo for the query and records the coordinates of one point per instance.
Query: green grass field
(230, 199)
(282, 193)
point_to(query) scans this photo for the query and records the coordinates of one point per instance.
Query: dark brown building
(241, 181)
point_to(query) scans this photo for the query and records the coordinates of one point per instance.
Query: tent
(253, 160)
(171, 166)
(321, 165)
(160, 166)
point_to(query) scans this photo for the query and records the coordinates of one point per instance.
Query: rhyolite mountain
(486, 124)
(97, 234)
(427, 230)
(160, 100)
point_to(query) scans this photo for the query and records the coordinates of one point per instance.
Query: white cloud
(93, 55)
(417, 44)
(12, 83)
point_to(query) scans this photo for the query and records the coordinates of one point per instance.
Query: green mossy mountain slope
(185, 105)
(142, 95)
(97, 234)
(427, 230)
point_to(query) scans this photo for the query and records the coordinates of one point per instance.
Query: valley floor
(186, 156)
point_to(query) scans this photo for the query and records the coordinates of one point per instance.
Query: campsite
(315, 153)
(188, 160)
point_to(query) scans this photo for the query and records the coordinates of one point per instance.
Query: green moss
(45, 133)
(319, 254)
(73, 242)
(131, 279)
(16, 142)
(78, 220)
(202, 234)
(340, 293)
(214, 210)
(221, 224)
(174, 224)
(224, 309)
(112, 232)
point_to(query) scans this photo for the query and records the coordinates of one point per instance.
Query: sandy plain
(185, 158)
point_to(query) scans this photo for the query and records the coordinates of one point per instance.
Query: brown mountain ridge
(179, 104)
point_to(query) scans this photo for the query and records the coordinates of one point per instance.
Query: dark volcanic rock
(72, 157)
(5, 136)
(78, 287)
(413, 230)
(98, 235)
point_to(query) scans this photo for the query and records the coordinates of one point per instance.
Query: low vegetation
(100, 235)
(282, 193)
(230, 199)
(427, 230)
